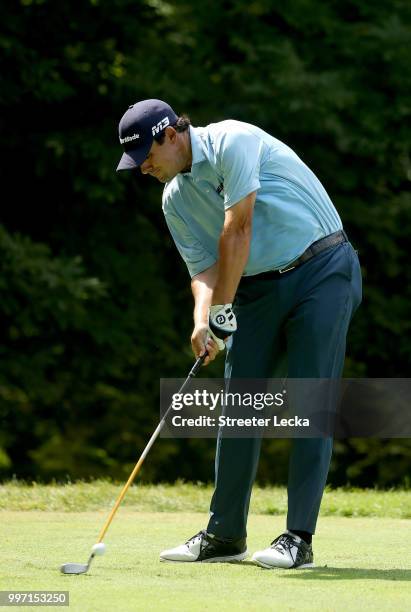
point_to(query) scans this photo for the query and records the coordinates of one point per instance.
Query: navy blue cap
(137, 128)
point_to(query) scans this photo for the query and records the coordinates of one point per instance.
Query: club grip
(198, 365)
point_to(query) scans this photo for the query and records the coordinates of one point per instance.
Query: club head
(76, 568)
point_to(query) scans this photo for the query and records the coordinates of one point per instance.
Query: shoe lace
(284, 542)
(198, 537)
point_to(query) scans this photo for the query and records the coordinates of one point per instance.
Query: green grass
(362, 564)
(362, 561)
(182, 497)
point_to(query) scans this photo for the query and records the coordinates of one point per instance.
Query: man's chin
(165, 179)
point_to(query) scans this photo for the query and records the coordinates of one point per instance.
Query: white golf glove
(221, 323)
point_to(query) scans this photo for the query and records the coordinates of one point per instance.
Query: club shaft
(145, 452)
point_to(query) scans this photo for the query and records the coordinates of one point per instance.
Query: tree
(331, 79)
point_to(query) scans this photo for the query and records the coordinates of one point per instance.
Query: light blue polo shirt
(231, 159)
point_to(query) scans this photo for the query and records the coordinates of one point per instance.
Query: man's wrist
(220, 295)
(201, 324)
(220, 298)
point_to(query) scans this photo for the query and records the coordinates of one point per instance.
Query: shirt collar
(197, 150)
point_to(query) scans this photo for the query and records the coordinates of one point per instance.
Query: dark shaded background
(94, 299)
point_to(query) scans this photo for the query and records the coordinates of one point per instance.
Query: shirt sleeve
(195, 256)
(239, 157)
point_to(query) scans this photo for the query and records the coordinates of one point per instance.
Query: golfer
(273, 277)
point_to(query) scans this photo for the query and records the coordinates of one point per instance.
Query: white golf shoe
(207, 548)
(287, 551)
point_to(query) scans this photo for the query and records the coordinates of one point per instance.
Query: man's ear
(171, 134)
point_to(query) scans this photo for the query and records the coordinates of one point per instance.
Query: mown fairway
(362, 563)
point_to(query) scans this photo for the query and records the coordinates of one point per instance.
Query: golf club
(99, 548)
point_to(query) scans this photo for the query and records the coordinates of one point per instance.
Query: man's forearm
(202, 286)
(234, 249)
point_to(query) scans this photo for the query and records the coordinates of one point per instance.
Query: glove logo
(220, 319)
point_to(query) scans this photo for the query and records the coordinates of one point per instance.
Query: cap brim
(132, 159)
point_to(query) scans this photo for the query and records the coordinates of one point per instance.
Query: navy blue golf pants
(293, 325)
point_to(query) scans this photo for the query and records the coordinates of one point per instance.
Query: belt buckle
(286, 269)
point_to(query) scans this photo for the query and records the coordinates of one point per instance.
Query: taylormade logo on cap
(128, 138)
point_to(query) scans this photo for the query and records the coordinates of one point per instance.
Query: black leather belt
(315, 248)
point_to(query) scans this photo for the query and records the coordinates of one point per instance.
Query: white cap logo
(156, 129)
(129, 138)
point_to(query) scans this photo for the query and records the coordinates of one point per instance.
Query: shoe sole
(230, 559)
(267, 566)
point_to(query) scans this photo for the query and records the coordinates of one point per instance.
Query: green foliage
(84, 341)
(185, 497)
(44, 299)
